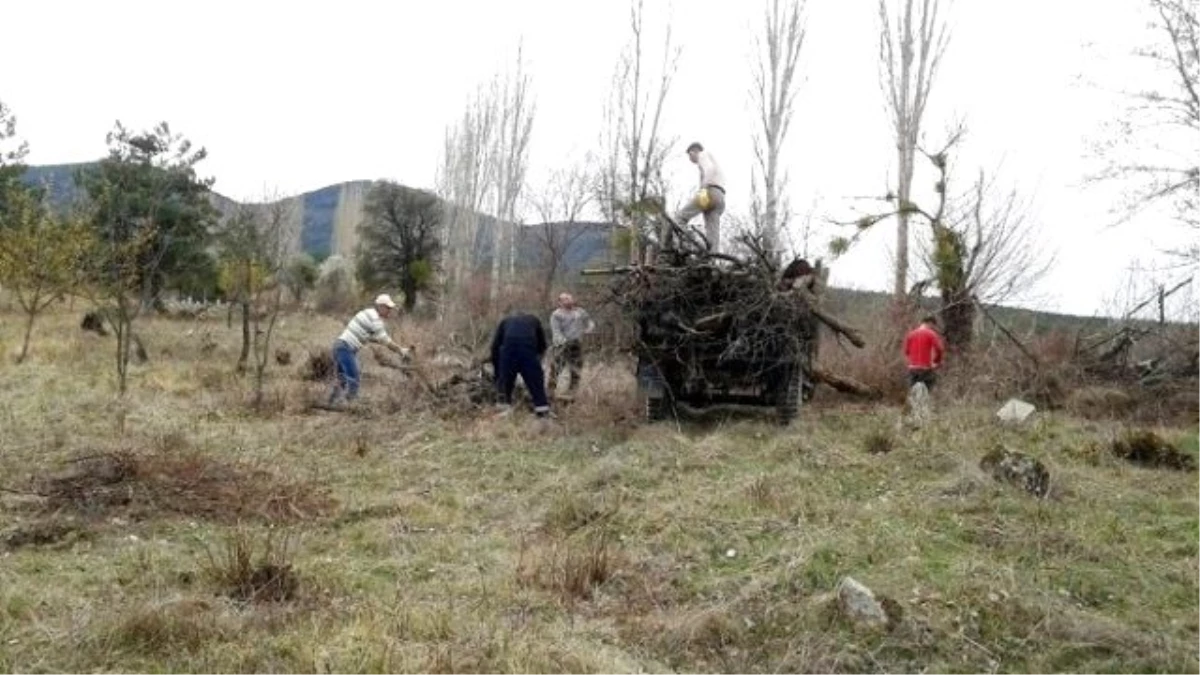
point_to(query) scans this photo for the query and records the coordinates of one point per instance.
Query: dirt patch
(192, 485)
(1148, 449)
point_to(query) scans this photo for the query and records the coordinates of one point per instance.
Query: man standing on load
(710, 200)
(366, 326)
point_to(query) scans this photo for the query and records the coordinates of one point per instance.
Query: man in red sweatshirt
(923, 348)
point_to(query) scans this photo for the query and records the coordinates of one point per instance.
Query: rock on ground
(858, 603)
(1017, 469)
(1015, 410)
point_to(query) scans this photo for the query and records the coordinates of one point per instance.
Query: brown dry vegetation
(200, 535)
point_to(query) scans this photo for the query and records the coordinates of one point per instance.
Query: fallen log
(847, 385)
(828, 319)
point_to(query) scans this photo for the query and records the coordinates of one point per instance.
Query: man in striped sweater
(366, 326)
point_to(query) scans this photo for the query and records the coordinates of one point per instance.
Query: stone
(1015, 411)
(1019, 469)
(858, 603)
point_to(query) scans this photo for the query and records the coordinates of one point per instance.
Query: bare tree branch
(634, 149)
(909, 58)
(774, 94)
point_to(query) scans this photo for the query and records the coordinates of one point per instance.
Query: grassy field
(391, 538)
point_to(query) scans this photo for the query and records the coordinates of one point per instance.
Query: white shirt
(366, 326)
(710, 173)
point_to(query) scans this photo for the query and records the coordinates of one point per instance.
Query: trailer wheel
(789, 402)
(658, 408)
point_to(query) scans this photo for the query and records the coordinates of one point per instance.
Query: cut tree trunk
(845, 384)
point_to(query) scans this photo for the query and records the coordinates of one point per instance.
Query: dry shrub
(764, 492)
(706, 633)
(188, 484)
(572, 568)
(319, 367)
(573, 511)
(242, 572)
(879, 443)
(166, 628)
(1097, 402)
(40, 533)
(1148, 449)
(880, 365)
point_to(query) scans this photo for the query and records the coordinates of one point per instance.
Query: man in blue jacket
(517, 349)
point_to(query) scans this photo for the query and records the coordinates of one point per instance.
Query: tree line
(148, 225)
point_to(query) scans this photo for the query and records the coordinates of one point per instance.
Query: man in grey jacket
(568, 324)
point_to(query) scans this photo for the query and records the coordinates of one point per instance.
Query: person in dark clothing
(517, 349)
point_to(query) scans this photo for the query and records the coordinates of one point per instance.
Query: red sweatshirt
(923, 348)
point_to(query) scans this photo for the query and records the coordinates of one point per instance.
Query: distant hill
(328, 217)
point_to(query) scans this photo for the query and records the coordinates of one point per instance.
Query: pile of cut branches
(717, 305)
(695, 305)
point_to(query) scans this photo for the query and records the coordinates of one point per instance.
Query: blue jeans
(346, 363)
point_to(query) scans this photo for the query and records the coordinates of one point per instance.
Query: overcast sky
(295, 96)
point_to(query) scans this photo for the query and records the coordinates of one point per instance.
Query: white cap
(385, 300)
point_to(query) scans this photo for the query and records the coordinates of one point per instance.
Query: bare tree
(911, 46)
(255, 244)
(484, 161)
(515, 112)
(466, 172)
(560, 203)
(984, 249)
(774, 94)
(631, 184)
(982, 245)
(1154, 148)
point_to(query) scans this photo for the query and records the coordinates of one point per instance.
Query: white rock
(730, 553)
(1015, 410)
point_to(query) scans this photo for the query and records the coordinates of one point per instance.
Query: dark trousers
(569, 356)
(923, 375)
(524, 361)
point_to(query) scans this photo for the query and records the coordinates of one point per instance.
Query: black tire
(788, 406)
(658, 408)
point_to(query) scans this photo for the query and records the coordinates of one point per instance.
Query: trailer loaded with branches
(719, 330)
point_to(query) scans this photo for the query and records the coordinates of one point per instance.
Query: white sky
(295, 96)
